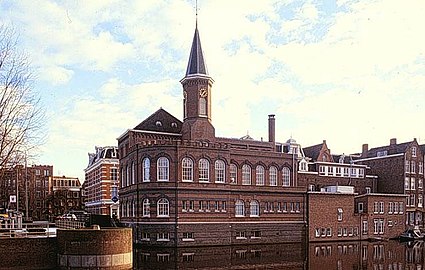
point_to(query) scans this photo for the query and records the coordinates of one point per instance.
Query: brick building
(64, 195)
(400, 168)
(101, 182)
(319, 168)
(32, 184)
(181, 185)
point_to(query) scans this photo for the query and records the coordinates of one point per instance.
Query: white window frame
(254, 208)
(259, 176)
(273, 176)
(204, 170)
(163, 169)
(146, 208)
(146, 163)
(233, 174)
(163, 208)
(239, 208)
(246, 174)
(220, 171)
(187, 169)
(286, 177)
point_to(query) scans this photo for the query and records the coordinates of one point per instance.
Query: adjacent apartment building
(64, 195)
(101, 182)
(181, 185)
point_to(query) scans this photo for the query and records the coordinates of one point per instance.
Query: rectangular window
(338, 171)
(339, 214)
(364, 227)
(191, 206)
(413, 167)
(201, 206)
(146, 236)
(395, 208)
(340, 232)
(406, 183)
(413, 151)
(407, 167)
(163, 237)
(328, 232)
(421, 168)
(233, 174)
(412, 200)
(284, 207)
(240, 235)
(360, 207)
(346, 172)
(256, 234)
(353, 172)
(223, 206)
(412, 183)
(216, 206)
(390, 207)
(322, 170)
(361, 173)
(317, 232)
(330, 170)
(185, 206)
(375, 208)
(381, 207)
(188, 236)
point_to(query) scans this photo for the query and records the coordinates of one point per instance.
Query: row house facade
(400, 168)
(101, 182)
(29, 188)
(319, 168)
(183, 186)
(64, 195)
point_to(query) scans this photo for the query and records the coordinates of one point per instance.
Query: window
(114, 174)
(254, 208)
(375, 207)
(413, 167)
(421, 168)
(260, 175)
(406, 183)
(220, 171)
(216, 206)
(368, 190)
(201, 206)
(233, 174)
(414, 151)
(204, 170)
(256, 234)
(381, 207)
(146, 208)
(122, 178)
(239, 208)
(303, 166)
(407, 167)
(412, 183)
(420, 200)
(360, 207)
(400, 209)
(191, 206)
(163, 169)
(346, 172)
(133, 173)
(273, 176)
(378, 226)
(396, 208)
(185, 206)
(146, 169)
(163, 208)
(187, 170)
(202, 106)
(286, 177)
(340, 212)
(163, 237)
(246, 174)
(322, 170)
(188, 236)
(128, 176)
(146, 236)
(390, 207)
(240, 235)
(223, 206)
(361, 173)
(420, 184)
(317, 232)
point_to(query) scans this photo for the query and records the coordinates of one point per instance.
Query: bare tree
(21, 116)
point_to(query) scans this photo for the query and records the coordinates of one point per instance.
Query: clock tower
(197, 96)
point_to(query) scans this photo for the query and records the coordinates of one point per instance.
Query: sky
(348, 72)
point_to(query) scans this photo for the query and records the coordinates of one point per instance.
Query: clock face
(203, 92)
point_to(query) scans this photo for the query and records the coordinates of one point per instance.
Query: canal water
(388, 255)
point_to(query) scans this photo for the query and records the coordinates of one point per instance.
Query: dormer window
(158, 123)
(414, 151)
(324, 158)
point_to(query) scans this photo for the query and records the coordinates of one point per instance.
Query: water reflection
(390, 255)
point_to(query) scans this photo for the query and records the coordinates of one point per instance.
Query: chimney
(272, 128)
(365, 149)
(393, 141)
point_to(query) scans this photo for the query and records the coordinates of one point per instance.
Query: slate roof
(313, 151)
(161, 121)
(196, 63)
(391, 149)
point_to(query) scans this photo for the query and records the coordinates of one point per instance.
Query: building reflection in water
(389, 255)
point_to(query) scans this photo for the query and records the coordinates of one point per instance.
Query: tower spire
(196, 12)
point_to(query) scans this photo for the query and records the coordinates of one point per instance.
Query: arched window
(187, 169)
(146, 208)
(163, 169)
(184, 104)
(260, 175)
(239, 208)
(202, 106)
(219, 171)
(286, 176)
(233, 174)
(273, 176)
(133, 173)
(122, 176)
(162, 208)
(254, 208)
(246, 174)
(146, 169)
(204, 170)
(127, 176)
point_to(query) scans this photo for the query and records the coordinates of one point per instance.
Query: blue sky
(350, 72)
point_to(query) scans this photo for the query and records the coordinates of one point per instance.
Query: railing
(69, 224)
(39, 229)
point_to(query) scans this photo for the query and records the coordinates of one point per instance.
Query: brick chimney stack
(365, 149)
(393, 141)
(272, 128)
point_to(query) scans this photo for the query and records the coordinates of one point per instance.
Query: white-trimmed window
(413, 167)
(364, 227)
(246, 174)
(381, 207)
(233, 174)
(340, 214)
(146, 208)
(322, 170)
(146, 169)
(163, 237)
(220, 171)
(260, 175)
(286, 177)
(163, 208)
(163, 168)
(420, 200)
(396, 204)
(273, 176)
(414, 151)
(406, 183)
(412, 183)
(254, 208)
(204, 170)
(303, 166)
(128, 175)
(420, 184)
(239, 208)
(187, 169)
(407, 167)
(360, 207)
(421, 168)
(400, 209)
(390, 207)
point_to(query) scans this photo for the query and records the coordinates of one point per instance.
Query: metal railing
(69, 224)
(39, 229)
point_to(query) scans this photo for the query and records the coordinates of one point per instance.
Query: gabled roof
(196, 63)
(313, 151)
(161, 121)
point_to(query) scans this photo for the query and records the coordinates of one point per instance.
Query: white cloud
(55, 75)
